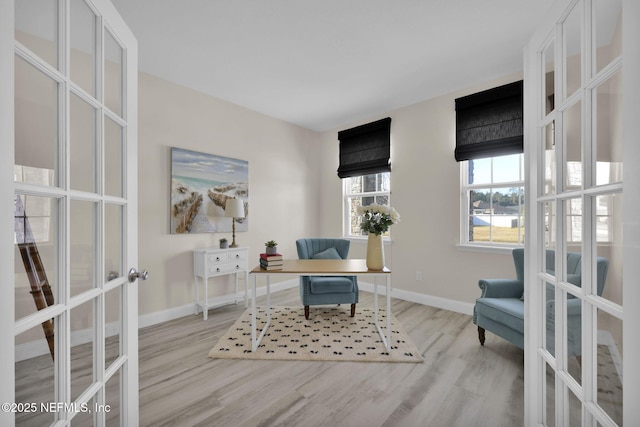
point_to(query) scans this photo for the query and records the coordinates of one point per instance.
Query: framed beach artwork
(200, 186)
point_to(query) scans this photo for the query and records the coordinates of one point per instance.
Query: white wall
(425, 189)
(283, 199)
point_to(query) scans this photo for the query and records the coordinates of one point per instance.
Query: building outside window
(363, 191)
(492, 205)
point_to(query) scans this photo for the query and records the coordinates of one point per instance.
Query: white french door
(581, 87)
(72, 346)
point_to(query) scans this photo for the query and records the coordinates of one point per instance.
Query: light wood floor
(460, 382)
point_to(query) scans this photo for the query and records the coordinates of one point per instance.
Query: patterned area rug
(329, 334)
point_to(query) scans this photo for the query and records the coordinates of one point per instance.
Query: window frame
(465, 188)
(346, 212)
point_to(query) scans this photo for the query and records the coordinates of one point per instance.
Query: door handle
(134, 274)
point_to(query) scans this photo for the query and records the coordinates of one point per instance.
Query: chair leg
(481, 335)
(353, 310)
(306, 312)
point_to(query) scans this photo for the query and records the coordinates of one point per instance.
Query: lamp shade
(234, 208)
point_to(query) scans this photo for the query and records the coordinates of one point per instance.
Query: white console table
(213, 262)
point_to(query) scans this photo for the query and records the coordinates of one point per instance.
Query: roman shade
(365, 149)
(489, 123)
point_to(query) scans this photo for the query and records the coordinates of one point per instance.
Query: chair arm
(501, 288)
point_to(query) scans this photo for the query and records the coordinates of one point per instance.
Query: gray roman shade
(365, 149)
(489, 123)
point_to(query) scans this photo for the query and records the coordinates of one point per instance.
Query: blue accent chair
(500, 308)
(322, 290)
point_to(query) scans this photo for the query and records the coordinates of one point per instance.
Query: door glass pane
(609, 365)
(573, 209)
(113, 74)
(608, 31)
(549, 226)
(81, 319)
(573, 138)
(113, 407)
(83, 246)
(608, 138)
(113, 241)
(575, 409)
(37, 28)
(83, 46)
(573, 49)
(549, 79)
(574, 336)
(113, 160)
(549, 316)
(35, 377)
(36, 244)
(609, 246)
(36, 130)
(113, 317)
(84, 418)
(550, 392)
(550, 158)
(83, 145)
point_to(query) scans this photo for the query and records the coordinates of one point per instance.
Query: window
(363, 191)
(492, 206)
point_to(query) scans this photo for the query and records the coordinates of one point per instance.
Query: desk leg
(388, 277)
(255, 342)
(246, 293)
(386, 339)
(375, 300)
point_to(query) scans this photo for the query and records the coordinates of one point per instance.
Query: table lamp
(234, 208)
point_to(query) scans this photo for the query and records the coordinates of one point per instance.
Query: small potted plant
(224, 243)
(271, 247)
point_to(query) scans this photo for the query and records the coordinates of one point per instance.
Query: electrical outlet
(418, 275)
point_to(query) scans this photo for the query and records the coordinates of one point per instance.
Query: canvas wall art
(200, 186)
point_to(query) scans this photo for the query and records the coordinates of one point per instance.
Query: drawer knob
(217, 258)
(218, 270)
(237, 256)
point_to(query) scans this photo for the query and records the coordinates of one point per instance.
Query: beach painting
(200, 186)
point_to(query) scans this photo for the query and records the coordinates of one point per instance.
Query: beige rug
(329, 334)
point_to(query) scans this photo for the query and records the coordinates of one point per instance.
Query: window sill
(385, 240)
(486, 248)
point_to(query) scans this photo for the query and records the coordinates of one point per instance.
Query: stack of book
(271, 261)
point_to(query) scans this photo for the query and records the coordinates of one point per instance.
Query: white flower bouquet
(377, 219)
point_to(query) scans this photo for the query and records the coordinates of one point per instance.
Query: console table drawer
(226, 268)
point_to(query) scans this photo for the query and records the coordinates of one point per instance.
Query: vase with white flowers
(376, 220)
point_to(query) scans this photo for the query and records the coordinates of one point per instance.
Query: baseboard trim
(424, 299)
(151, 319)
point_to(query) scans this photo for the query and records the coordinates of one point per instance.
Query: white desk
(322, 267)
(212, 262)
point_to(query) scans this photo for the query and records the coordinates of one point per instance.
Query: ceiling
(324, 64)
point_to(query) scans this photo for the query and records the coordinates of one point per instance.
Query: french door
(582, 83)
(72, 193)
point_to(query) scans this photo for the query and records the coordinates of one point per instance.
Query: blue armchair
(320, 290)
(500, 308)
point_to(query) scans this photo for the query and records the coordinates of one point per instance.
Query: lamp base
(234, 245)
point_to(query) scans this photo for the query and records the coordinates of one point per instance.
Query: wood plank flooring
(460, 382)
